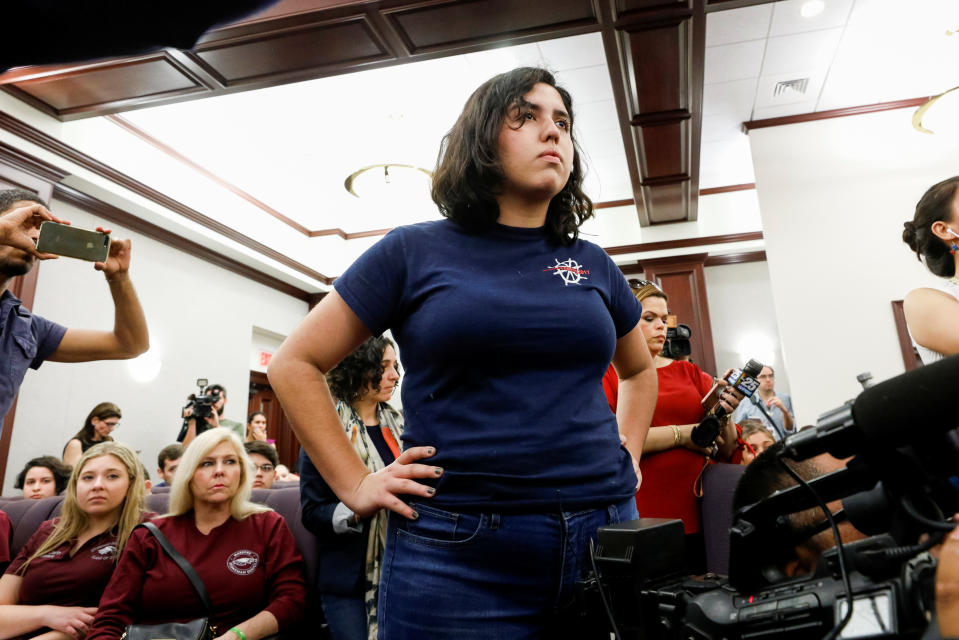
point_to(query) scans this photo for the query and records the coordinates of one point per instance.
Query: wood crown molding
(687, 242)
(834, 113)
(49, 143)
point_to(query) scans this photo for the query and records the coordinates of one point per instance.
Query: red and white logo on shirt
(243, 562)
(569, 270)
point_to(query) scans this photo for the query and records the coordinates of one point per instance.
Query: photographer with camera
(208, 408)
(27, 340)
(672, 464)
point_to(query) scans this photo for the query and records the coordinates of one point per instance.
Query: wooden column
(684, 281)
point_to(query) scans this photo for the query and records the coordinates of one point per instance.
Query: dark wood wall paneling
(910, 357)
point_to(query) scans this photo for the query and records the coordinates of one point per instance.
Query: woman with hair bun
(932, 315)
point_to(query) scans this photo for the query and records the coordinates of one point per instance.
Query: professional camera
(898, 489)
(677, 341)
(198, 406)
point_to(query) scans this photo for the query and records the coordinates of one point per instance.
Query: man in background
(774, 410)
(167, 462)
(27, 340)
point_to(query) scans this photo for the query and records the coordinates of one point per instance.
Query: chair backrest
(716, 511)
(26, 516)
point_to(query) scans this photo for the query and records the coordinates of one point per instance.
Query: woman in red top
(671, 463)
(243, 552)
(52, 587)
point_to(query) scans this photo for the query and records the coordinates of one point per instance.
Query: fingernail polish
(431, 491)
(415, 515)
(431, 451)
(437, 471)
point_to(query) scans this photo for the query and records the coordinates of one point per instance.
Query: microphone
(913, 406)
(742, 384)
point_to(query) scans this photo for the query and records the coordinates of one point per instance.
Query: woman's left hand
(639, 474)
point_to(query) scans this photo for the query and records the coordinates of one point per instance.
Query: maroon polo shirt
(247, 566)
(6, 534)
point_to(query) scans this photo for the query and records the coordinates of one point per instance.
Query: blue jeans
(345, 616)
(472, 576)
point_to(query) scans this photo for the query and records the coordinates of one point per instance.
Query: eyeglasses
(265, 468)
(113, 424)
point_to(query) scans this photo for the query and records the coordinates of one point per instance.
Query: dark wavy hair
(60, 471)
(10, 196)
(364, 367)
(102, 411)
(935, 205)
(468, 172)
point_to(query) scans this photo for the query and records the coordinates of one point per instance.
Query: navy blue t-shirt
(505, 337)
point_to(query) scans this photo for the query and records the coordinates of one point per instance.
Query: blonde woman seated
(51, 589)
(757, 438)
(244, 553)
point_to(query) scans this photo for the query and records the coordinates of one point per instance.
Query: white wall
(833, 196)
(743, 318)
(201, 319)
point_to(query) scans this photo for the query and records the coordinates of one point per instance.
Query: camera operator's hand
(118, 261)
(947, 586)
(18, 229)
(382, 489)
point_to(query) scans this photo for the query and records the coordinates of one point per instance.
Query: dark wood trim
(315, 298)
(229, 186)
(735, 258)
(834, 113)
(164, 236)
(49, 143)
(727, 189)
(612, 203)
(910, 357)
(725, 5)
(258, 377)
(688, 242)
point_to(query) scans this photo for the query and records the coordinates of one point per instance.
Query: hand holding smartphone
(64, 240)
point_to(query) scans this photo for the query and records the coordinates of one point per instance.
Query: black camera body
(199, 406)
(677, 342)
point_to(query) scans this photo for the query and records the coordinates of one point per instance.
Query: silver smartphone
(72, 242)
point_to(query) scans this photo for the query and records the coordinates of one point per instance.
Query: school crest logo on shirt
(243, 562)
(569, 270)
(105, 551)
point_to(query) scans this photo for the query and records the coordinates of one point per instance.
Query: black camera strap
(761, 406)
(181, 562)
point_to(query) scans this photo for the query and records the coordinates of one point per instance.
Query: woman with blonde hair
(243, 552)
(52, 587)
(100, 423)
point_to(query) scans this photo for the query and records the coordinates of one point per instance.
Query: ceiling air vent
(787, 87)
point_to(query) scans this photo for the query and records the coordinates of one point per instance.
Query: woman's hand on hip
(382, 489)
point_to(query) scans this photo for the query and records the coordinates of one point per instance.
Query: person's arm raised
(297, 374)
(129, 337)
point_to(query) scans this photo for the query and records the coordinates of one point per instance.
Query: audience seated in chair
(265, 461)
(52, 587)
(43, 477)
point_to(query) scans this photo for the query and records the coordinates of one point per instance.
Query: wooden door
(278, 428)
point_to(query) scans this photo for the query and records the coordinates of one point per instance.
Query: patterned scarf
(364, 447)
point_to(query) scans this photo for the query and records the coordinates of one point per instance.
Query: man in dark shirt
(26, 340)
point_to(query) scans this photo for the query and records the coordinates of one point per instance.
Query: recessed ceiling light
(812, 8)
(388, 180)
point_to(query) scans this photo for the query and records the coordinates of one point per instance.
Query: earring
(954, 249)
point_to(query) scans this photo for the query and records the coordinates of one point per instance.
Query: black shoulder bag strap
(761, 406)
(183, 564)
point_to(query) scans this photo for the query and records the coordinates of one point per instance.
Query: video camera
(677, 341)
(199, 406)
(899, 489)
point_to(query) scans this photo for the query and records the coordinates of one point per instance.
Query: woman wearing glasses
(351, 547)
(671, 463)
(97, 428)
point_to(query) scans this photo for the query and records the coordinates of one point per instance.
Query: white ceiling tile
(738, 25)
(787, 18)
(573, 52)
(734, 61)
(595, 116)
(587, 84)
(780, 111)
(730, 97)
(721, 127)
(765, 94)
(725, 163)
(810, 50)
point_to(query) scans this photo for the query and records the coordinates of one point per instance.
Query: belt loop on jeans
(494, 521)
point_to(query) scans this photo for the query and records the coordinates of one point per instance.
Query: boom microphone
(913, 406)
